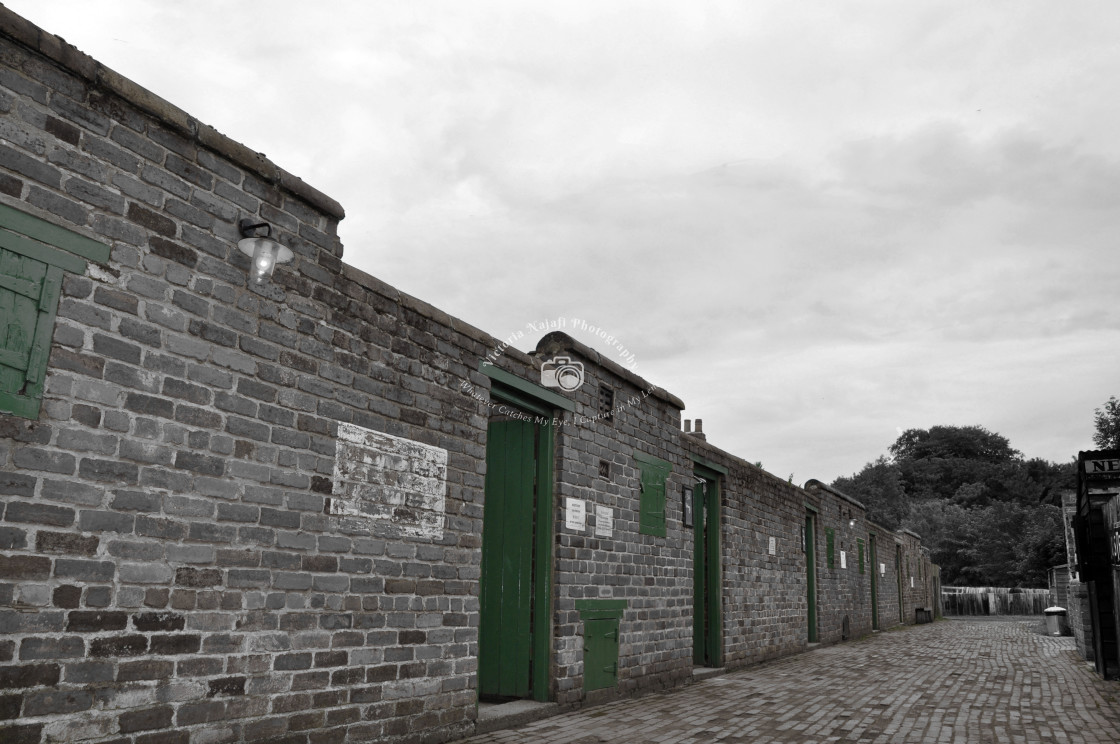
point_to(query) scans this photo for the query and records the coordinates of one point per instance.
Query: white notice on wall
(379, 476)
(773, 546)
(604, 521)
(575, 514)
(843, 559)
(882, 569)
(911, 582)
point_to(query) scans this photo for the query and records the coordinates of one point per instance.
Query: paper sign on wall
(575, 514)
(882, 569)
(911, 582)
(388, 478)
(773, 546)
(604, 521)
(843, 559)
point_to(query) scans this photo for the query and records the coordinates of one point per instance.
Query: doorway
(811, 573)
(873, 555)
(707, 596)
(515, 630)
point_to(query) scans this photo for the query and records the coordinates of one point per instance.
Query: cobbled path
(952, 681)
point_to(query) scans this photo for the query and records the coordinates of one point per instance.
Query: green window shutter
(859, 547)
(33, 256)
(654, 474)
(830, 542)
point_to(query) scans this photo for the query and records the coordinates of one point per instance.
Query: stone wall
(596, 464)
(255, 511)
(176, 557)
(764, 592)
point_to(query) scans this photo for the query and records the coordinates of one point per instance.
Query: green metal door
(898, 575)
(29, 291)
(811, 575)
(506, 592)
(874, 582)
(706, 595)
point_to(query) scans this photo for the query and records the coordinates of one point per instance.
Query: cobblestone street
(975, 681)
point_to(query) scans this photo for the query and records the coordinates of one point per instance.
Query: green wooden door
(506, 592)
(29, 291)
(706, 595)
(874, 582)
(898, 575)
(811, 575)
(600, 653)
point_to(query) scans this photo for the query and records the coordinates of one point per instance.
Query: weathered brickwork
(651, 573)
(171, 561)
(255, 512)
(764, 594)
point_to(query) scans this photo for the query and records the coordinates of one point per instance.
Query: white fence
(987, 600)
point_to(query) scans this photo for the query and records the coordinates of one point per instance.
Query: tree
(1107, 421)
(953, 442)
(879, 488)
(974, 500)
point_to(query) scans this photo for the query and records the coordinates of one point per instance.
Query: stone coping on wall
(101, 77)
(814, 483)
(431, 312)
(558, 340)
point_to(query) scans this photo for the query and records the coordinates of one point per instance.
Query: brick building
(317, 509)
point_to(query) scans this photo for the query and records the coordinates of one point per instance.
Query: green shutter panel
(830, 542)
(651, 519)
(29, 292)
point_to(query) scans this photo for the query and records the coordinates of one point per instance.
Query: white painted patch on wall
(392, 479)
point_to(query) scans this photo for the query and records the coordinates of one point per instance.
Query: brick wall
(253, 512)
(172, 562)
(843, 593)
(764, 594)
(653, 574)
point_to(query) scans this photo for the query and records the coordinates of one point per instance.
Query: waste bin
(1055, 620)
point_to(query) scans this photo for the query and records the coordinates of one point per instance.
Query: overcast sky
(819, 224)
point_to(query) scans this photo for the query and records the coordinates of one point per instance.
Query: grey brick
(136, 550)
(166, 181)
(105, 521)
(22, 511)
(95, 195)
(110, 471)
(146, 573)
(43, 460)
(27, 166)
(82, 570)
(68, 209)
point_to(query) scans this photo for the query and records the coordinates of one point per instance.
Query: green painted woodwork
(601, 619)
(29, 296)
(33, 256)
(709, 465)
(830, 546)
(40, 252)
(706, 595)
(515, 634)
(651, 488)
(60, 237)
(506, 593)
(898, 575)
(542, 395)
(873, 560)
(811, 574)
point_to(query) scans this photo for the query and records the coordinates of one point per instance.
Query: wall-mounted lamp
(264, 251)
(851, 522)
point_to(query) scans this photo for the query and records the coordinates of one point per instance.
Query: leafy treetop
(953, 442)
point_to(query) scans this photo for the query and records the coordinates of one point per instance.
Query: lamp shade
(266, 253)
